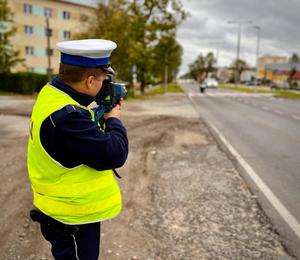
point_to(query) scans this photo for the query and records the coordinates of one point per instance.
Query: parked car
(252, 82)
(280, 85)
(211, 83)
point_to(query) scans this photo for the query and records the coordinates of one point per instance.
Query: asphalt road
(265, 131)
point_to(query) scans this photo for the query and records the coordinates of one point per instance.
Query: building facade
(283, 72)
(65, 20)
(265, 60)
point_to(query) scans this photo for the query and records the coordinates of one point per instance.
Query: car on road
(253, 83)
(210, 83)
(280, 85)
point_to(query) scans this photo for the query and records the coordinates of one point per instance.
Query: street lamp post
(258, 28)
(239, 23)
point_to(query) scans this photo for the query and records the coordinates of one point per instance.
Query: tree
(197, 68)
(239, 66)
(140, 28)
(168, 51)
(202, 66)
(9, 57)
(210, 63)
(153, 20)
(293, 60)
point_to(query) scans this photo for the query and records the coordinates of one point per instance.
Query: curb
(283, 221)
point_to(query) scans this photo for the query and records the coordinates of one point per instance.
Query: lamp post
(239, 23)
(258, 28)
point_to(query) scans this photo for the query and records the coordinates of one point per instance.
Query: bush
(22, 82)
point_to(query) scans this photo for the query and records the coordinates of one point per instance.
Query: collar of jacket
(81, 98)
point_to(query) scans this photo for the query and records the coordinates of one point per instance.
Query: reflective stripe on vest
(70, 195)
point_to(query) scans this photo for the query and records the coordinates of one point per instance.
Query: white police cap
(87, 53)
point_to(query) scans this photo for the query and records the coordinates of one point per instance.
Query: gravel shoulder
(182, 196)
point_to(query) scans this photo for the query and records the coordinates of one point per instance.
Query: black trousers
(78, 242)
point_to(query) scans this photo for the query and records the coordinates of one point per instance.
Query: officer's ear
(89, 81)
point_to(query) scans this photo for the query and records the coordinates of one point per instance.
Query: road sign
(5, 26)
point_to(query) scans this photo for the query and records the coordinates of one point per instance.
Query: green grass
(287, 94)
(246, 89)
(277, 93)
(171, 88)
(5, 93)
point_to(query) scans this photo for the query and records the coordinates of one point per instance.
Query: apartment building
(66, 20)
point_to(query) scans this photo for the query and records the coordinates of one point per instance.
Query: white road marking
(226, 94)
(276, 203)
(296, 117)
(278, 112)
(265, 108)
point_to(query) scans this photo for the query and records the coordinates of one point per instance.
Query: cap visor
(109, 70)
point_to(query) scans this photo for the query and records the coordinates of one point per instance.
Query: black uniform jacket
(72, 138)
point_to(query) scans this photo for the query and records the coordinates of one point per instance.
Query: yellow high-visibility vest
(71, 195)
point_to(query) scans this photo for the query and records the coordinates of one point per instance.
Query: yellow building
(65, 21)
(266, 60)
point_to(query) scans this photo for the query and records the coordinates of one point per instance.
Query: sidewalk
(183, 198)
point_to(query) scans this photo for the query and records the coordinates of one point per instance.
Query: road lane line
(278, 112)
(296, 117)
(276, 203)
(265, 108)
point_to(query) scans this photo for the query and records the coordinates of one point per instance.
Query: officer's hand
(115, 112)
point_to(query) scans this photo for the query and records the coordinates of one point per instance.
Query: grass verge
(276, 93)
(171, 88)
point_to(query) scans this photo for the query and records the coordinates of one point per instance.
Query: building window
(29, 50)
(27, 9)
(48, 12)
(66, 35)
(66, 15)
(28, 29)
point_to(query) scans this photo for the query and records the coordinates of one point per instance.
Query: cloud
(208, 28)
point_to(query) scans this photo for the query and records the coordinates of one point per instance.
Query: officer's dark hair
(74, 74)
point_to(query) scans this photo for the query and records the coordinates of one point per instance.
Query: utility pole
(49, 52)
(239, 23)
(258, 28)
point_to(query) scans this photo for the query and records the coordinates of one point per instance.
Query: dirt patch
(182, 197)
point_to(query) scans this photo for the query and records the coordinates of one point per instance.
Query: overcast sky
(207, 29)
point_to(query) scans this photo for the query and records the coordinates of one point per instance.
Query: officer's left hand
(115, 112)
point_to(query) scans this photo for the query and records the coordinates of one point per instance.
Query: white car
(210, 83)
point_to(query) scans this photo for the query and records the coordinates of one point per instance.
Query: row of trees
(145, 31)
(205, 66)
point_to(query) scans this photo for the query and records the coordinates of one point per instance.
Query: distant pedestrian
(202, 88)
(70, 159)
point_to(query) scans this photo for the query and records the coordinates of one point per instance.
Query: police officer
(70, 160)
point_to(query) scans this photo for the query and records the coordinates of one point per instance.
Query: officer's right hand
(115, 112)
